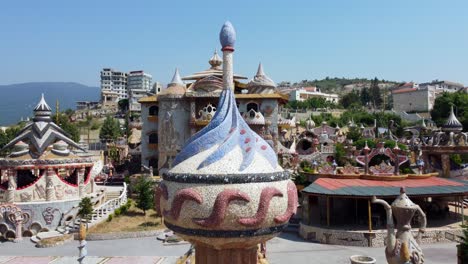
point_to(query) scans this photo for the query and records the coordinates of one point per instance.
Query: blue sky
(295, 40)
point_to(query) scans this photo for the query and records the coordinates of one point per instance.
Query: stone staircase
(113, 200)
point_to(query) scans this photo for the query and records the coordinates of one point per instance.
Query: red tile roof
(404, 90)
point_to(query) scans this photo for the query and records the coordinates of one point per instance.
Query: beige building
(413, 99)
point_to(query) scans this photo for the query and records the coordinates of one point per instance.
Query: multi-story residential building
(304, 93)
(442, 86)
(139, 80)
(138, 85)
(113, 86)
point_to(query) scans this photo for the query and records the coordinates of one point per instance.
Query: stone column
(193, 117)
(208, 255)
(445, 165)
(80, 179)
(228, 75)
(12, 177)
(50, 191)
(19, 231)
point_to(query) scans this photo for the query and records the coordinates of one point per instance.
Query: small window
(153, 138)
(253, 106)
(153, 110)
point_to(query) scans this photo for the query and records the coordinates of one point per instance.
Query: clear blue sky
(295, 40)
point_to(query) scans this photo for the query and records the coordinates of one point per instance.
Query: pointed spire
(260, 70)
(42, 111)
(452, 123)
(42, 105)
(176, 80)
(423, 124)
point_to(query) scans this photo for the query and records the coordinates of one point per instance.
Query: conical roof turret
(176, 88)
(215, 61)
(261, 83)
(452, 123)
(42, 111)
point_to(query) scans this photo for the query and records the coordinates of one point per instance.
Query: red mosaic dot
(247, 140)
(248, 149)
(242, 132)
(263, 147)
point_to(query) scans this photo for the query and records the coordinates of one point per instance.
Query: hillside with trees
(341, 85)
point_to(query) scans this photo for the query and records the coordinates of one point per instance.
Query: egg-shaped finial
(227, 36)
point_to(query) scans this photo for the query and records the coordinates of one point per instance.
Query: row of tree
(365, 97)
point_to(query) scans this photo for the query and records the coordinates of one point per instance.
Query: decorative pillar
(228, 74)
(207, 254)
(328, 211)
(366, 159)
(81, 176)
(306, 209)
(19, 230)
(369, 214)
(12, 175)
(445, 165)
(50, 191)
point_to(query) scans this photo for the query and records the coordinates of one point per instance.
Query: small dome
(60, 145)
(310, 124)
(227, 36)
(215, 61)
(20, 146)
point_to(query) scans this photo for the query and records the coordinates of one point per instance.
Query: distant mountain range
(19, 100)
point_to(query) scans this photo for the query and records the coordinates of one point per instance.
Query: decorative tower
(226, 193)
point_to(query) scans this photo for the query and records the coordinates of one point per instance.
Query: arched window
(153, 110)
(253, 106)
(153, 138)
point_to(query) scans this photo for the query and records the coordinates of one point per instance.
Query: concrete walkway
(287, 249)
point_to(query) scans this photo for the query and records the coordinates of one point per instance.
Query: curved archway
(153, 110)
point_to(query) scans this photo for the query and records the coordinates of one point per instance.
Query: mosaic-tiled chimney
(226, 193)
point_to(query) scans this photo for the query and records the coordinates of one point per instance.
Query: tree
(351, 100)
(442, 104)
(123, 105)
(63, 121)
(365, 96)
(110, 129)
(86, 208)
(145, 193)
(375, 95)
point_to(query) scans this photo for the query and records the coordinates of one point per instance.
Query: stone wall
(371, 239)
(42, 216)
(415, 101)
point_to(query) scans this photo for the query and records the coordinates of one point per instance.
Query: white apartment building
(138, 85)
(139, 80)
(304, 93)
(113, 85)
(442, 86)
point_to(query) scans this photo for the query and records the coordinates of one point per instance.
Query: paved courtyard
(288, 249)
